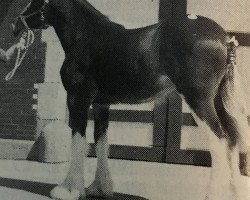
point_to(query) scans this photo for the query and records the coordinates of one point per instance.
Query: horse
(106, 64)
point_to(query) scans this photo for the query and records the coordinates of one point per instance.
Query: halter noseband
(41, 11)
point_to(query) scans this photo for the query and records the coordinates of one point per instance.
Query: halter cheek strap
(23, 17)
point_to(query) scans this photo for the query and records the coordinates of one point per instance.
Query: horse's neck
(67, 25)
(68, 33)
(67, 36)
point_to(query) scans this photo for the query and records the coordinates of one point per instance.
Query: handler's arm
(3, 55)
(6, 55)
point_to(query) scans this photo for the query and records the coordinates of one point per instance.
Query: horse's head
(34, 16)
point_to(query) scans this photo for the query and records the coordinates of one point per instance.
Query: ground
(133, 180)
(27, 180)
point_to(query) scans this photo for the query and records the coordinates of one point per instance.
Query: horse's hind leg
(230, 106)
(231, 126)
(73, 185)
(208, 120)
(103, 184)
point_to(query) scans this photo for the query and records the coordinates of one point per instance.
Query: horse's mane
(95, 14)
(87, 11)
(92, 11)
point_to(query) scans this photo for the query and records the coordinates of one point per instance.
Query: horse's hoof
(62, 193)
(95, 190)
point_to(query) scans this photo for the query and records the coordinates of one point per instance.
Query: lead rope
(23, 45)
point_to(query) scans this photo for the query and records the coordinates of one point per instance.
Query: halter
(40, 11)
(25, 43)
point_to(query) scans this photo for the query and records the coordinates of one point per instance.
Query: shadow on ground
(44, 189)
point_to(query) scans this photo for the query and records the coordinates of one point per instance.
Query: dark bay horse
(107, 64)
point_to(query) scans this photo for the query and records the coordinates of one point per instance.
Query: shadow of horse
(43, 189)
(28, 186)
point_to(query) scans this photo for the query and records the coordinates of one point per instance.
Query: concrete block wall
(17, 99)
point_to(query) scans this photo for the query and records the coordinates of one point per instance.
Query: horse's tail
(231, 102)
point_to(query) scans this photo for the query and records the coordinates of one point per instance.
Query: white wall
(130, 13)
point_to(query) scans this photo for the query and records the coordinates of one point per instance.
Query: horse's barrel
(55, 143)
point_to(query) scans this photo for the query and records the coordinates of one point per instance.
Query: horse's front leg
(73, 185)
(103, 184)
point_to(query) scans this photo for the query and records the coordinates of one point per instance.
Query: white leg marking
(244, 142)
(236, 105)
(103, 184)
(219, 187)
(239, 183)
(73, 185)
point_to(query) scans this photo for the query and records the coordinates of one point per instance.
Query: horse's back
(132, 63)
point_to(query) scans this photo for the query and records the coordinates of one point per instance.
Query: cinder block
(55, 143)
(51, 101)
